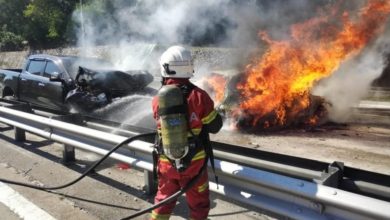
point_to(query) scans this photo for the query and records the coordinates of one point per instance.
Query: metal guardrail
(288, 196)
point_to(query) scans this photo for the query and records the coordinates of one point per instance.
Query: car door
(29, 81)
(52, 92)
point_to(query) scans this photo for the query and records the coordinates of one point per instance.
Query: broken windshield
(71, 64)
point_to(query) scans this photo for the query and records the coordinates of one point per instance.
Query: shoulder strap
(186, 89)
(172, 110)
(209, 151)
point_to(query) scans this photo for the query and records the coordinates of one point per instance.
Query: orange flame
(279, 82)
(217, 83)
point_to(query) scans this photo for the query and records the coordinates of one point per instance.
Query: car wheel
(10, 98)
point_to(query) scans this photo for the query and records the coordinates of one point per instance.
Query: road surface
(111, 193)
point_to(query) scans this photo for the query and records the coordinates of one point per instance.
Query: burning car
(274, 89)
(227, 97)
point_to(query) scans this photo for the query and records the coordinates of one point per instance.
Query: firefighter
(179, 162)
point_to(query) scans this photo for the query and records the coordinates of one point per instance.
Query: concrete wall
(219, 58)
(12, 59)
(16, 59)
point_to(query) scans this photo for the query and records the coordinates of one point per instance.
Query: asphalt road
(111, 193)
(6, 213)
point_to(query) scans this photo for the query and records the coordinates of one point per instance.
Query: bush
(10, 41)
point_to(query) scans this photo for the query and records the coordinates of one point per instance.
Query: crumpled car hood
(118, 83)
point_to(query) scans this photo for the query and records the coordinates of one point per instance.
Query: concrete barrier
(212, 57)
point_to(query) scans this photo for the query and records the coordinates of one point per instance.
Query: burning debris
(274, 91)
(216, 84)
(227, 98)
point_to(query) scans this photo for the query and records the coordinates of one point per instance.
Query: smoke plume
(137, 31)
(352, 81)
(227, 23)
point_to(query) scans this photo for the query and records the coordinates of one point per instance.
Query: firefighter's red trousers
(171, 181)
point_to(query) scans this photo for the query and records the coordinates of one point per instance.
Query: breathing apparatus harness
(172, 140)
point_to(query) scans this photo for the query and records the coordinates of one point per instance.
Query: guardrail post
(68, 154)
(20, 134)
(150, 182)
(334, 174)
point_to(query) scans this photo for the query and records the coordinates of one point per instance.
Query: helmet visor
(180, 67)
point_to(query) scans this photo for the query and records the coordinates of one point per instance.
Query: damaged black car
(71, 83)
(97, 88)
(98, 84)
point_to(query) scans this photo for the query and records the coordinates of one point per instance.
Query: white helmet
(176, 62)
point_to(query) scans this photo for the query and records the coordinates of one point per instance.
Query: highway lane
(111, 193)
(6, 213)
(117, 193)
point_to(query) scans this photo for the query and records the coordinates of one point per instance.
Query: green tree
(9, 40)
(12, 15)
(48, 22)
(12, 24)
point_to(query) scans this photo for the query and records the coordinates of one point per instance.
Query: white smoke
(139, 30)
(133, 56)
(352, 81)
(227, 23)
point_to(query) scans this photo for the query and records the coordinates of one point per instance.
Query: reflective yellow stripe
(203, 187)
(196, 131)
(209, 117)
(163, 158)
(156, 216)
(200, 155)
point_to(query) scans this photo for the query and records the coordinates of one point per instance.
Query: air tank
(173, 122)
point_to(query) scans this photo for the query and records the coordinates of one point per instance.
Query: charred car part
(97, 88)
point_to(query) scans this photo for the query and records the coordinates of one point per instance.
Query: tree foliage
(12, 24)
(40, 23)
(48, 21)
(10, 40)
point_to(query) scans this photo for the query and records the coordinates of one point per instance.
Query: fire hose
(97, 163)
